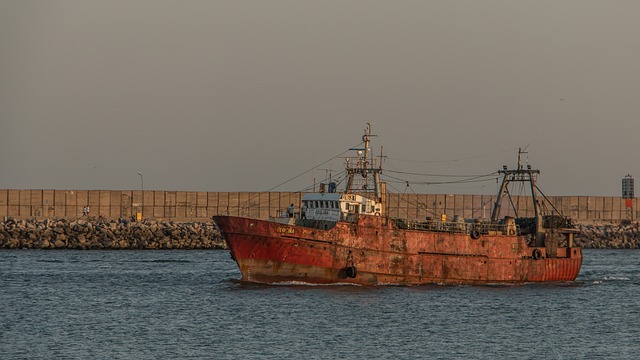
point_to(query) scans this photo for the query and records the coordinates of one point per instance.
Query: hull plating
(372, 252)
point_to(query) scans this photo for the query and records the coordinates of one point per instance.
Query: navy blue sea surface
(189, 304)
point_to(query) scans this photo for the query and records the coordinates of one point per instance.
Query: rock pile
(99, 233)
(609, 237)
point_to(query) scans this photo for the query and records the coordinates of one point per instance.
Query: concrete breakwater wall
(99, 233)
(201, 206)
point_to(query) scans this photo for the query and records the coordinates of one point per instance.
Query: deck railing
(456, 227)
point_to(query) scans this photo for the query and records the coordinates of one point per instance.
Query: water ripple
(190, 304)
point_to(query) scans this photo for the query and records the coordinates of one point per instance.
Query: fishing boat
(347, 237)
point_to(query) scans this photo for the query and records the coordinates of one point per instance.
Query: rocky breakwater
(98, 233)
(609, 237)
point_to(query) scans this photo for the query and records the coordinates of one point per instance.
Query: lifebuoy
(537, 254)
(475, 233)
(377, 213)
(351, 271)
(512, 232)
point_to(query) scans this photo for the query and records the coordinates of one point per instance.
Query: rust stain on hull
(373, 252)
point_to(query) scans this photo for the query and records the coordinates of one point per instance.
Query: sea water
(190, 305)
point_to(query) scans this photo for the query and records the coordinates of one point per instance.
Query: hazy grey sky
(242, 95)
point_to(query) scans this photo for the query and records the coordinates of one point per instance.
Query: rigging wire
(248, 201)
(313, 168)
(434, 175)
(549, 201)
(338, 179)
(453, 160)
(475, 213)
(473, 179)
(465, 179)
(419, 204)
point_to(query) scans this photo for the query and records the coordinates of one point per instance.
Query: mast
(503, 187)
(363, 165)
(521, 175)
(536, 208)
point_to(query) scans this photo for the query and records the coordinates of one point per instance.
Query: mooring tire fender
(537, 254)
(475, 233)
(351, 271)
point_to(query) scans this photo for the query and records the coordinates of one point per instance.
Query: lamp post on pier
(141, 196)
(141, 181)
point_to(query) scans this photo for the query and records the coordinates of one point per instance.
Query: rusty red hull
(374, 252)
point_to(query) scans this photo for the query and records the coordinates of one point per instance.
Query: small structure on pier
(627, 195)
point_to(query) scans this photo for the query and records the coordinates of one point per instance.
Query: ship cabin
(337, 206)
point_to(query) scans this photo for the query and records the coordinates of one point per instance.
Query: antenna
(520, 152)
